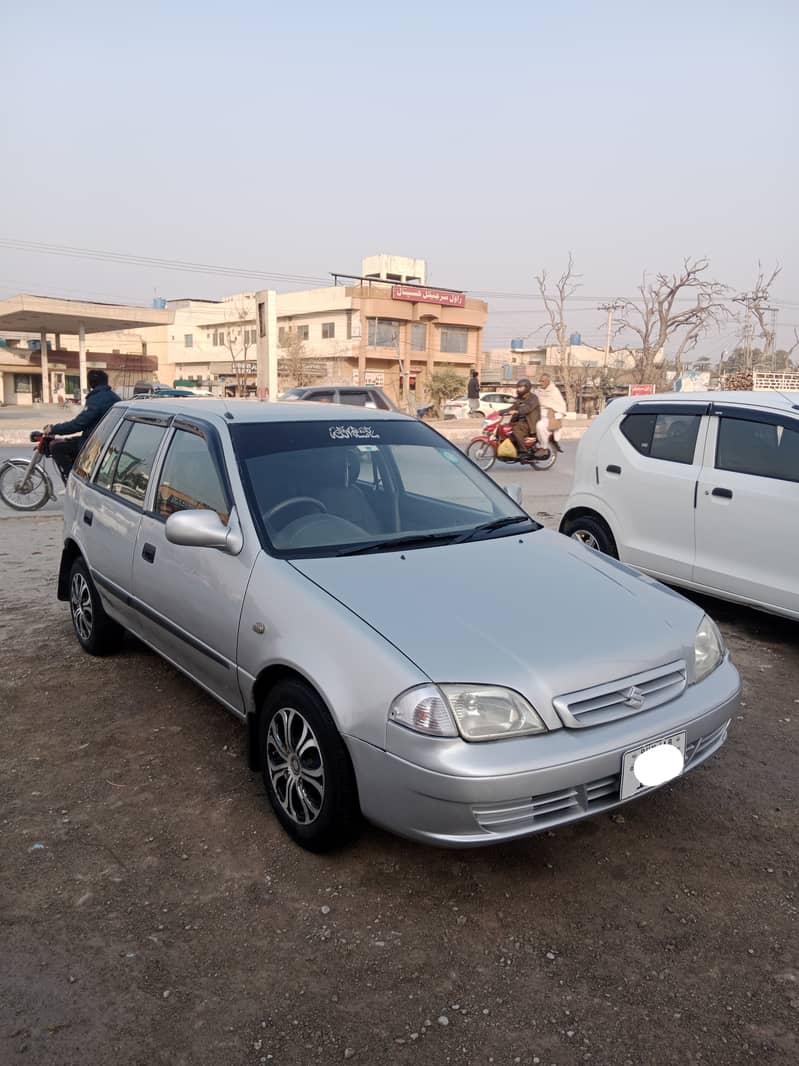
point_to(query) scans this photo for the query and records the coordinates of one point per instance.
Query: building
(368, 329)
(34, 368)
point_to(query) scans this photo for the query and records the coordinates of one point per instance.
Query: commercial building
(368, 329)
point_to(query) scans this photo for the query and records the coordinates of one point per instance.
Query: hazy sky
(488, 138)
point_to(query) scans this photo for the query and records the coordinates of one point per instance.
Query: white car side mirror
(515, 493)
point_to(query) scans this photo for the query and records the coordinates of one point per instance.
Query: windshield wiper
(497, 523)
(414, 540)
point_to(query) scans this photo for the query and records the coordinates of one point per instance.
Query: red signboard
(641, 390)
(428, 296)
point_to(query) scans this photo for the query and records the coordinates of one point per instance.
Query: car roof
(237, 412)
(771, 400)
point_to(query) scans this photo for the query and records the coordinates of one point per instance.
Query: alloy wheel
(80, 600)
(295, 765)
(587, 538)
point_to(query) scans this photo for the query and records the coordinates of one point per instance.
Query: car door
(647, 471)
(747, 512)
(190, 597)
(110, 508)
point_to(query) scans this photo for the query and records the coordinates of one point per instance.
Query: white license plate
(630, 785)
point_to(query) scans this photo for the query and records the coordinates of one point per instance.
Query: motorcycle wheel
(482, 453)
(545, 464)
(30, 497)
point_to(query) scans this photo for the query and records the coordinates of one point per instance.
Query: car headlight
(708, 648)
(475, 712)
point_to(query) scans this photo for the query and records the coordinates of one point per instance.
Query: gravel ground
(152, 911)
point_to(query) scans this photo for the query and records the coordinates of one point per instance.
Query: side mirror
(515, 493)
(205, 529)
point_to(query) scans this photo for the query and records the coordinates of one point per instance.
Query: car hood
(539, 613)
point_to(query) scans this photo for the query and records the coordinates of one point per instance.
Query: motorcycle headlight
(708, 648)
(475, 712)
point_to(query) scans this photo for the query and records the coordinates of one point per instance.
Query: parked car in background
(310, 537)
(352, 395)
(489, 402)
(164, 394)
(144, 389)
(698, 489)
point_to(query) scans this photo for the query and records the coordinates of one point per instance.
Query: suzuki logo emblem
(633, 697)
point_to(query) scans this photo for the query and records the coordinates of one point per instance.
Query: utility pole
(616, 305)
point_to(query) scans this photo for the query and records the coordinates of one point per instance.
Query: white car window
(762, 449)
(671, 436)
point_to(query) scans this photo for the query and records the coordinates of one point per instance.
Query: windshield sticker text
(353, 433)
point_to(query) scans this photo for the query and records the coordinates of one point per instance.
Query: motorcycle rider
(98, 400)
(525, 413)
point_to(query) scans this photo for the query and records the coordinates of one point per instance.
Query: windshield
(328, 488)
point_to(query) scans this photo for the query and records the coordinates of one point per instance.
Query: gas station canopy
(44, 314)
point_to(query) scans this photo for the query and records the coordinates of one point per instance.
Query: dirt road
(152, 911)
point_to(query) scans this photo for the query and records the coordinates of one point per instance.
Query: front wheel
(482, 453)
(23, 491)
(306, 768)
(548, 463)
(593, 533)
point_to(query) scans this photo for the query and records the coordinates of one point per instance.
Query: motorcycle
(25, 484)
(498, 428)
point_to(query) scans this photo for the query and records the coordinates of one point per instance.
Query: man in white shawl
(553, 408)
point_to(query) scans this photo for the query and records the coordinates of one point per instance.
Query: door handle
(613, 469)
(88, 517)
(726, 494)
(148, 553)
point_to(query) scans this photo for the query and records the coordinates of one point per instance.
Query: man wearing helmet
(525, 413)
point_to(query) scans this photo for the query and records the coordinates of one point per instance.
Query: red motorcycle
(498, 428)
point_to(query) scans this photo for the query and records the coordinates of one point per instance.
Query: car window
(490, 397)
(135, 462)
(190, 479)
(439, 477)
(663, 436)
(90, 452)
(322, 397)
(758, 448)
(315, 487)
(354, 397)
(105, 474)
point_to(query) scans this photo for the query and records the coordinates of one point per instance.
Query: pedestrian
(553, 409)
(473, 393)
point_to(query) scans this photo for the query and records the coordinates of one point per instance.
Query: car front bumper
(572, 774)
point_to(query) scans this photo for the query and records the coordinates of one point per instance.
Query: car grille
(568, 804)
(620, 699)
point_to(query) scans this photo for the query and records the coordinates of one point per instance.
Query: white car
(489, 402)
(700, 490)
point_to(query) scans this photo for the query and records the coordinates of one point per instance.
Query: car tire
(593, 532)
(307, 771)
(96, 632)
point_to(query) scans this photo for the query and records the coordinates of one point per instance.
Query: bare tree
(756, 304)
(555, 307)
(238, 338)
(658, 315)
(293, 364)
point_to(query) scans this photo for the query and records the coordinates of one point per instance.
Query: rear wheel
(96, 632)
(306, 768)
(482, 453)
(591, 531)
(21, 492)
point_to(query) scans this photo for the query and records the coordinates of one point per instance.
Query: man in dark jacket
(525, 413)
(98, 400)
(473, 392)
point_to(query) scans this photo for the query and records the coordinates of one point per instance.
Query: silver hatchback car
(316, 570)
